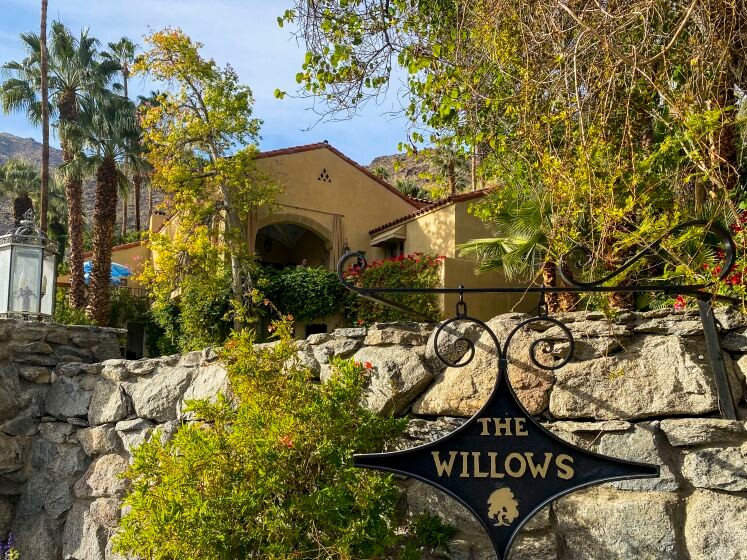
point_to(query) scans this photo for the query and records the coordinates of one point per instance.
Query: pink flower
(680, 303)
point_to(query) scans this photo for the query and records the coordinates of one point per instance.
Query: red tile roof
(88, 254)
(325, 145)
(433, 206)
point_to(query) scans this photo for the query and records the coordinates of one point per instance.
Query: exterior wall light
(28, 272)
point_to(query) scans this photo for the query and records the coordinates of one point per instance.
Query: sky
(242, 33)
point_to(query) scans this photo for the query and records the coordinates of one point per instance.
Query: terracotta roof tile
(89, 254)
(433, 206)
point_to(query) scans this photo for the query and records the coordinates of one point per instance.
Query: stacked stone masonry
(639, 387)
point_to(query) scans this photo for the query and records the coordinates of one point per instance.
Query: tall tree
(626, 111)
(122, 53)
(75, 73)
(201, 139)
(44, 118)
(106, 131)
(17, 179)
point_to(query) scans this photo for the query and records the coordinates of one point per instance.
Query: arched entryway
(285, 244)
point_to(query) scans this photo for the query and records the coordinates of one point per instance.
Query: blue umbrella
(118, 272)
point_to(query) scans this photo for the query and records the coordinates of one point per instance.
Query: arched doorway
(290, 244)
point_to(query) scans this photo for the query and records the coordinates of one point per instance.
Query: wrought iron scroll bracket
(504, 501)
(574, 285)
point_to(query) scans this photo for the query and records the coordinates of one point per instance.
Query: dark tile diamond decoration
(504, 466)
(324, 176)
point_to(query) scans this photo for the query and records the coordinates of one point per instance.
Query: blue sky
(243, 33)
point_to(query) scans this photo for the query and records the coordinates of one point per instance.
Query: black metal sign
(502, 464)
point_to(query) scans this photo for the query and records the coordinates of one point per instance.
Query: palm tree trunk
(124, 215)
(74, 196)
(104, 216)
(549, 280)
(137, 182)
(21, 204)
(44, 195)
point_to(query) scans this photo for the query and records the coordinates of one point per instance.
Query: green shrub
(306, 293)
(271, 476)
(65, 314)
(429, 531)
(418, 270)
(198, 317)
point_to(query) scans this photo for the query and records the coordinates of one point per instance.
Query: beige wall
(432, 233)
(363, 202)
(440, 232)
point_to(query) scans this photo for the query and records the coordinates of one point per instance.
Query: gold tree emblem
(503, 507)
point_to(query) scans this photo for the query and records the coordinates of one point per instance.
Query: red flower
(680, 303)
(286, 441)
(368, 365)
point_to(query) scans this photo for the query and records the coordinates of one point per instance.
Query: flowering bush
(418, 270)
(733, 285)
(268, 474)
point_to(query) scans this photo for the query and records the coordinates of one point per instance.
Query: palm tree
(106, 131)
(17, 179)
(122, 53)
(521, 243)
(43, 71)
(75, 73)
(450, 165)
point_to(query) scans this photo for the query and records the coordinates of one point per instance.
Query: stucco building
(328, 202)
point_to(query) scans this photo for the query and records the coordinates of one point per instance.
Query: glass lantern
(28, 272)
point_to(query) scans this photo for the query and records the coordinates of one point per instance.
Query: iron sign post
(502, 465)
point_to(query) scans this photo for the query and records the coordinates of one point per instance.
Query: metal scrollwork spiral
(580, 257)
(545, 343)
(462, 342)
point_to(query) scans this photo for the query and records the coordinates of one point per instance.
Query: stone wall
(639, 387)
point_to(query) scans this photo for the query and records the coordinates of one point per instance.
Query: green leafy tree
(17, 180)
(417, 270)
(268, 472)
(623, 115)
(306, 293)
(200, 137)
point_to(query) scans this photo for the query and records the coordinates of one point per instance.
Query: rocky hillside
(15, 147)
(419, 170)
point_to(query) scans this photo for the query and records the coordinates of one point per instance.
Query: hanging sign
(504, 466)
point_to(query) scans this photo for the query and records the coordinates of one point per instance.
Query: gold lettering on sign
(475, 464)
(536, 469)
(520, 430)
(478, 473)
(493, 465)
(511, 460)
(565, 471)
(503, 427)
(444, 468)
(465, 464)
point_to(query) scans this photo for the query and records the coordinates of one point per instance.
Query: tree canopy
(624, 117)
